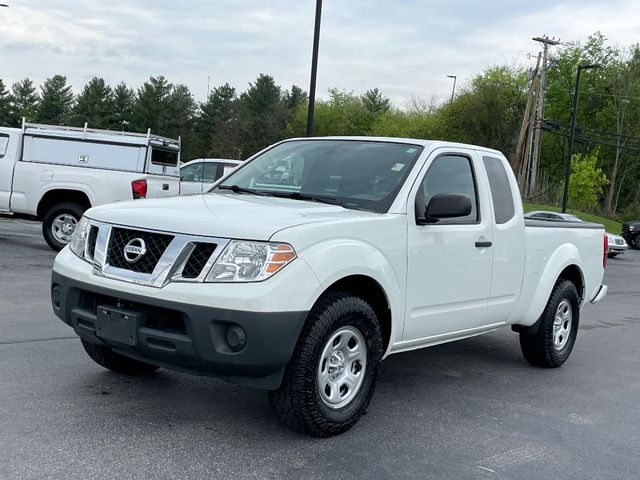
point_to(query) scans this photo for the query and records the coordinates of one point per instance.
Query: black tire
(612, 255)
(298, 402)
(539, 349)
(636, 242)
(115, 362)
(72, 209)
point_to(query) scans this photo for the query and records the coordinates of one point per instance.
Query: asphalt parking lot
(472, 409)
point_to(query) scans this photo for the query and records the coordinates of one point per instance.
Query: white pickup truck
(310, 263)
(55, 173)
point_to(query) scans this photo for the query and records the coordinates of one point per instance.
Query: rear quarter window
(501, 193)
(4, 142)
(160, 156)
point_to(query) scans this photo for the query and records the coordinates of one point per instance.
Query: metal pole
(453, 91)
(572, 135)
(314, 69)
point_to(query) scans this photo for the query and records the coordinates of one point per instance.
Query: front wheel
(552, 344)
(636, 242)
(59, 223)
(612, 255)
(334, 370)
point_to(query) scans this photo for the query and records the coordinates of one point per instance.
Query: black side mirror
(445, 205)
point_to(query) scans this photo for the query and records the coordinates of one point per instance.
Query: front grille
(155, 244)
(91, 240)
(198, 259)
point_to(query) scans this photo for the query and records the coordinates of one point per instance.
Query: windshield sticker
(397, 167)
(412, 150)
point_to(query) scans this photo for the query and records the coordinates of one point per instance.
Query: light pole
(314, 69)
(572, 135)
(453, 91)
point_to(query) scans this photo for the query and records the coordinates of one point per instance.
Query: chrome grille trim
(170, 265)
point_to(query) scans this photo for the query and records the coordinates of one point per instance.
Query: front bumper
(244, 347)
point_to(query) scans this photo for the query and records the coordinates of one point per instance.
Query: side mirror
(445, 205)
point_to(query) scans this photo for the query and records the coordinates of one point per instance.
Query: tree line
(487, 111)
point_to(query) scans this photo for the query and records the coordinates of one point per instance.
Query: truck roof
(411, 141)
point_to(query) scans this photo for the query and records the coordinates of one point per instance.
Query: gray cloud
(406, 47)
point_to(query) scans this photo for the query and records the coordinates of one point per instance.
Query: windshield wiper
(310, 198)
(239, 189)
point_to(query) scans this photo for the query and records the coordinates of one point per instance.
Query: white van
(55, 173)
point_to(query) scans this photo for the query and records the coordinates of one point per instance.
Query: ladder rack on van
(84, 130)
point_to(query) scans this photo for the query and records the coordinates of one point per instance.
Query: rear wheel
(636, 242)
(552, 344)
(115, 362)
(333, 372)
(60, 222)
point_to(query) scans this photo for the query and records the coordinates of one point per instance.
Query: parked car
(617, 244)
(631, 233)
(199, 175)
(55, 173)
(385, 246)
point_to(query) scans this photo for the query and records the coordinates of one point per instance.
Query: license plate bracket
(118, 325)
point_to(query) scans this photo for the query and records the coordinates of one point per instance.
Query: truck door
(508, 240)
(210, 174)
(7, 161)
(449, 262)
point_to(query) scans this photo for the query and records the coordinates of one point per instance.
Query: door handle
(483, 244)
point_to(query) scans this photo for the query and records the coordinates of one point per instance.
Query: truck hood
(222, 215)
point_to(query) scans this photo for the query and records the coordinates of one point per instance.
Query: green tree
(375, 103)
(152, 106)
(488, 112)
(56, 101)
(24, 101)
(266, 113)
(124, 100)
(94, 105)
(586, 183)
(5, 105)
(343, 113)
(219, 126)
(296, 97)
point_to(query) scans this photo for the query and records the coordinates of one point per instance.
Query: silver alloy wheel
(63, 227)
(562, 324)
(342, 367)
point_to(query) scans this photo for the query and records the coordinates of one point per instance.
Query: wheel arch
(61, 195)
(371, 291)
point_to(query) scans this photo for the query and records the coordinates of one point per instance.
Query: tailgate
(160, 186)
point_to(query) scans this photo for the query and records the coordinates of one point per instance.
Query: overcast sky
(404, 47)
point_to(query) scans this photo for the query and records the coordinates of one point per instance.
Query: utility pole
(314, 69)
(572, 135)
(521, 161)
(453, 91)
(539, 111)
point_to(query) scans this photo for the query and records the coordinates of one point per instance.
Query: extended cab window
(4, 141)
(191, 173)
(449, 174)
(501, 194)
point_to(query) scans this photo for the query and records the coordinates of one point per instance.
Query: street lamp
(314, 69)
(572, 134)
(453, 91)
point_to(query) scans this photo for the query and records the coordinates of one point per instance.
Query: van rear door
(163, 172)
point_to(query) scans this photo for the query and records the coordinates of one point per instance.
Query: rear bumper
(244, 347)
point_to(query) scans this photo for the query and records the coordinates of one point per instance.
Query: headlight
(79, 237)
(243, 261)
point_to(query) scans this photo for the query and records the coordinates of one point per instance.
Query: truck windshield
(357, 174)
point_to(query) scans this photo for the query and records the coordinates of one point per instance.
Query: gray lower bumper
(248, 348)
